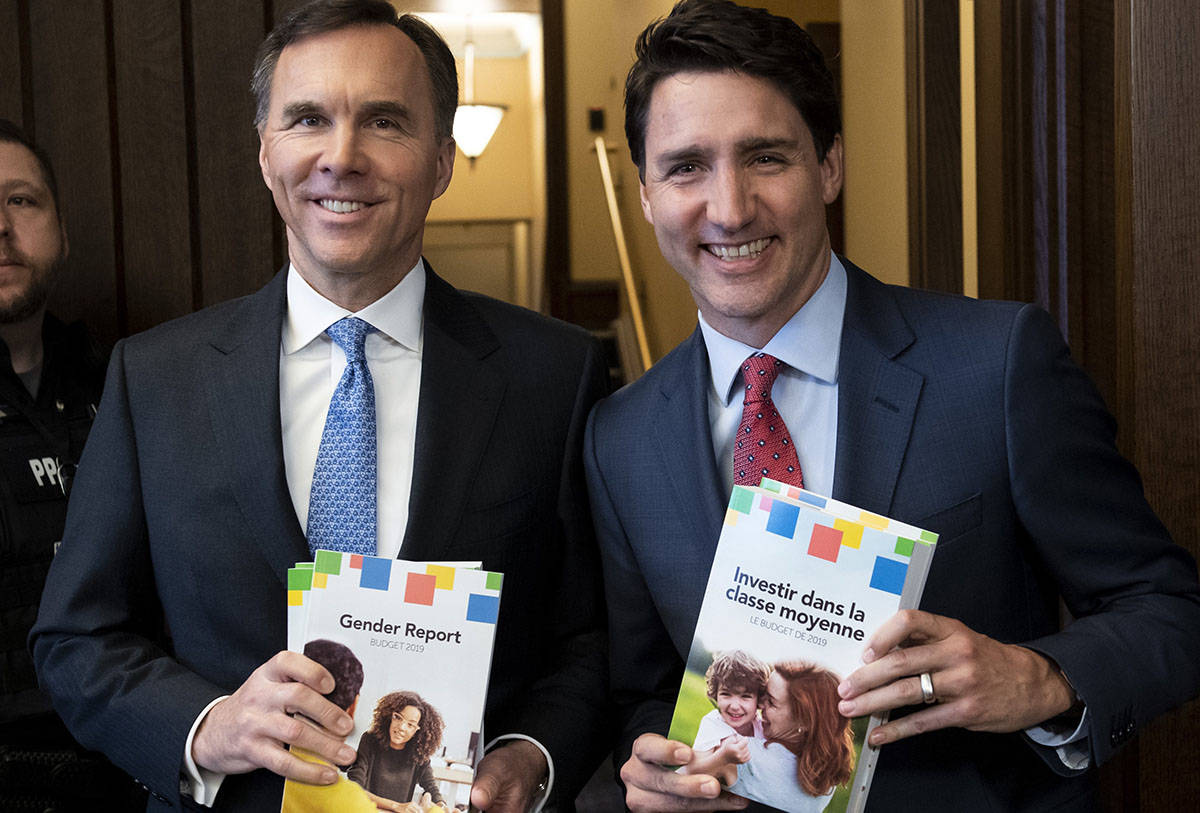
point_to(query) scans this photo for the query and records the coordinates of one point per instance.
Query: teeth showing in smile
(341, 207)
(751, 249)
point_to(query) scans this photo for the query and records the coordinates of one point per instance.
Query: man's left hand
(978, 683)
(507, 778)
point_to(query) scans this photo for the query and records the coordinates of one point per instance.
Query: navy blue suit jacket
(169, 587)
(965, 418)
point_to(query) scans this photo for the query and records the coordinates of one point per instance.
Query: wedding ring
(927, 695)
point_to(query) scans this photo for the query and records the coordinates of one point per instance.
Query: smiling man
(967, 418)
(356, 402)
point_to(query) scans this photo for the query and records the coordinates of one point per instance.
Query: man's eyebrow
(390, 109)
(764, 143)
(692, 152)
(295, 110)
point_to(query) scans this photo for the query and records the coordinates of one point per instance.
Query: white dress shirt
(310, 365)
(806, 395)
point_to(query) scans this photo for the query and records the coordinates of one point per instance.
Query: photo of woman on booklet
(802, 750)
(393, 754)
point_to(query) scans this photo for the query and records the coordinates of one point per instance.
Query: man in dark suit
(160, 634)
(966, 418)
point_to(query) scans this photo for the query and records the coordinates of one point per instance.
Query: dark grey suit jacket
(966, 418)
(168, 590)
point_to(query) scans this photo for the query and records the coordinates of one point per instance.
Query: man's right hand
(252, 728)
(651, 783)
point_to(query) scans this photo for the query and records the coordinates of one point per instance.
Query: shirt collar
(809, 342)
(396, 314)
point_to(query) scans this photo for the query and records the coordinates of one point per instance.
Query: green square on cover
(494, 580)
(904, 547)
(328, 561)
(929, 536)
(299, 578)
(741, 500)
(768, 484)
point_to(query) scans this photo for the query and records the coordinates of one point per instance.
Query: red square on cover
(825, 543)
(419, 587)
(356, 561)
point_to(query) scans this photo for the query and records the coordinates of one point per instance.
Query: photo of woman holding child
(795, 752)
(393, 754)
(807, 741)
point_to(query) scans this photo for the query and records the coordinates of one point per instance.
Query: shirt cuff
(199, 783)
(540, 802)
(1071, 745)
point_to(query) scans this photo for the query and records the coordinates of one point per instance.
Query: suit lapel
(461, 390)
(240, 366)
(877, 395)
(684, 439)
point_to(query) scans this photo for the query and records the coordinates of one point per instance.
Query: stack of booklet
(798, 585)
(417, 639)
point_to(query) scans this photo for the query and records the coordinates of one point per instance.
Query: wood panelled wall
(145, 109)
(1089, 162)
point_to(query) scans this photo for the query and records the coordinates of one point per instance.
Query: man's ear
(647, 212)
(831, 171)
(445, 166)
(264, 162)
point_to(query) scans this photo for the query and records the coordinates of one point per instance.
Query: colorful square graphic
(356, 561)
(320, 580)
(295, 598)
(299, 578)
(328, 561)
(904, 547)
(852, 532)
(825, 543)
(873, 520)
(443, 574)
(494, 580)
(731, 516)
(741, 500)
(376, 573)
(888, 575)
(929, 536)
(419, 589)
(783, 519)
(765, 502)
(811, 499)
(481, 608)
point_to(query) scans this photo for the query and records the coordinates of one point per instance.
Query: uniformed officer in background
(51, 375)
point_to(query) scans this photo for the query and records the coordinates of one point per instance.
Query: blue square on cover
(376, 573)
(483, 609)
(811, 499)
(888, 575)
(783, 519)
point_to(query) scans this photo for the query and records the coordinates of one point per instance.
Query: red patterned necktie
(763, 447)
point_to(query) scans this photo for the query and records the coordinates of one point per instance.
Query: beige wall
(873, 125)
(501, 184)
(600, 36)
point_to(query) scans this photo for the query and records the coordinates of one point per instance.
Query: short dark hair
(718, 35)
(10, 133)
(323, 16)
(341, 662)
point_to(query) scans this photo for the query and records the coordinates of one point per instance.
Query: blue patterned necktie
(341, 506)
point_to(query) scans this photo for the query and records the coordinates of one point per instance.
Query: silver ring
(927, 695)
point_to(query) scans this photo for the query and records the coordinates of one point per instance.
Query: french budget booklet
(798, 584)
(409, 645)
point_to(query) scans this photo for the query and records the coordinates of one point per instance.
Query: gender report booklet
(416, 638)
(798, 585)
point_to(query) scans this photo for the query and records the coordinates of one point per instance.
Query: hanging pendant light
(474, 124)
